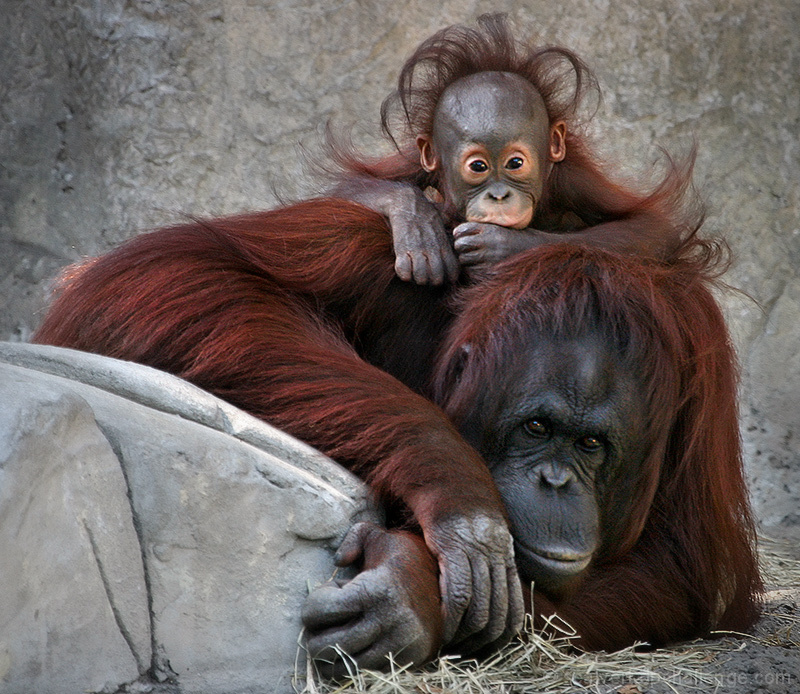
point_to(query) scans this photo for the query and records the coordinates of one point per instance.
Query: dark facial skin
(493, 145)
(566, 423)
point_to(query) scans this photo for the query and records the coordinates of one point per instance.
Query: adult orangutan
(488, 127)
(594, 395)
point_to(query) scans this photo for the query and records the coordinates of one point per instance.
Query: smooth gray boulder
(147, 527)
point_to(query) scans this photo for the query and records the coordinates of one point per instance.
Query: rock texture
(117, 116)
(146, 527)
(70, 561)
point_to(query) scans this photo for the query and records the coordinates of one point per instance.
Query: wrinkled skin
(478, 581)
(423, 248)
(492, 146)
(480, 246)
(391, 606)
(553, 434)
(483, 598)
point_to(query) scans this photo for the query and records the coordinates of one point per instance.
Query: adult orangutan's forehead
(491, 103)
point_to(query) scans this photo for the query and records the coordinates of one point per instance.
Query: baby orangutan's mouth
(512, 214)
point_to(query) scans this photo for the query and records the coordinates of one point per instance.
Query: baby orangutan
(490, 138)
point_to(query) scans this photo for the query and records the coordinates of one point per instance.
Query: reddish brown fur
(623, 219)
(270, 311)
(252, 308)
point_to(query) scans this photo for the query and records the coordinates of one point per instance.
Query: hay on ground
(534, 665)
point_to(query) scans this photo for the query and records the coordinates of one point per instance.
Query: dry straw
(534, 665)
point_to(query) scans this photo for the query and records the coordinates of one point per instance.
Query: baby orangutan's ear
(427, 158)
(558, 141)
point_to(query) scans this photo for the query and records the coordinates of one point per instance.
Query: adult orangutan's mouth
(557, 562)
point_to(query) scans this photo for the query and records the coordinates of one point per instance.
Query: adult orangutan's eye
(537, 428)
(589, 444)
(478, 166)
(515, 163)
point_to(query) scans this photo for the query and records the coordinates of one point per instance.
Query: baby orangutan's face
(493, 146)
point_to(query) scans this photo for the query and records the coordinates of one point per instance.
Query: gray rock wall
(116, 116)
